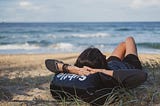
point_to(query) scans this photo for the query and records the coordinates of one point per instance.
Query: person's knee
(129, 39)
(123, 44)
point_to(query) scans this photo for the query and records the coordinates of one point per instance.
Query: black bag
(88, 88)
(94, 87)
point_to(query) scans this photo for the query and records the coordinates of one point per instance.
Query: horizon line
(74, 21)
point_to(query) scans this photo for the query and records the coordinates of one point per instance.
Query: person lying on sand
(92, 60)
(123, 69)
(122, 64)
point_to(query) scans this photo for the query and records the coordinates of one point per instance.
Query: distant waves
(75, 37)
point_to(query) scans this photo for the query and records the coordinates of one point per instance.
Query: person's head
(91, 57)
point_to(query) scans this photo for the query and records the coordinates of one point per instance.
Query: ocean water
(28, 38)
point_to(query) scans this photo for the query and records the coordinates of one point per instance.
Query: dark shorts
(131, 61)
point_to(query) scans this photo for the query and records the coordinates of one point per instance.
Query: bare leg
(119, 51)
(130, 46)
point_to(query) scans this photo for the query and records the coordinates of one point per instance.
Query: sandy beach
(25, 80)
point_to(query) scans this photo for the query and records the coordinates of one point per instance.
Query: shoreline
(66, 57)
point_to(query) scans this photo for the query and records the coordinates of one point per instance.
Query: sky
(79, 10)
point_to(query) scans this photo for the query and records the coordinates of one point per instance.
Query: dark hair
(91, 57)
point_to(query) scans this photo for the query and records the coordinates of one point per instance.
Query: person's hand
(92, 70)
(83, 71)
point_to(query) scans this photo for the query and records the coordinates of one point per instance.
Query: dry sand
(25, 79)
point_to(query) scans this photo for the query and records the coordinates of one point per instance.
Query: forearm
(74, 70)
(84, 71)
(71, 69)
(107, 72)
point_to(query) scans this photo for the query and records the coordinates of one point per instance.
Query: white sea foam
(62, 45)
(51, 36)
(91, 35)
(25, 46)
(19, 36)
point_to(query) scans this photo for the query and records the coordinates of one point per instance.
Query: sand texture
(24, 79)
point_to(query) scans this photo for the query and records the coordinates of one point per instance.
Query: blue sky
(79, 10)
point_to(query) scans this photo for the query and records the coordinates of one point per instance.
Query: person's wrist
(60, 65)
(65, 68)
(103, 70)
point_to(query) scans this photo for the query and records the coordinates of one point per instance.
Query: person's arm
(84, 71)
(92, 70)
(75, 70)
